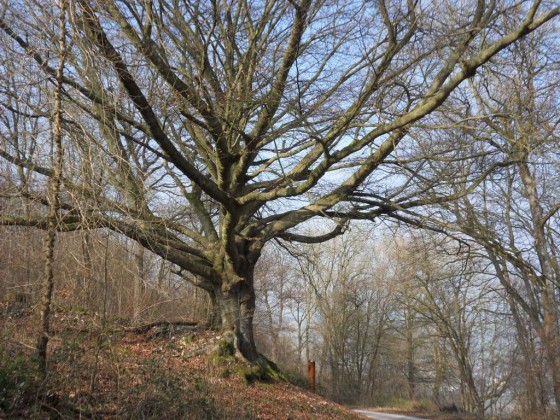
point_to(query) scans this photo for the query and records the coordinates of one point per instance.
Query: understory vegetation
(102, 368)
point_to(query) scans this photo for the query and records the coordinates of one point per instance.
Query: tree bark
(215, 310)
(238, 309)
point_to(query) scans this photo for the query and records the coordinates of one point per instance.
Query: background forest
(390, 315)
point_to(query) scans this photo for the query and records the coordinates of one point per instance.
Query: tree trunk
(411, 367)
(232, 294)
(439, 372)
(85, 291)
(531, 375)
(54, 200)
(551, 341)
(238, 309)
(46, 300)
(272, 330)
(138, 287)
(215, 310)
(551, 331)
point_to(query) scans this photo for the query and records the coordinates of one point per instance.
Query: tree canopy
(203, 130)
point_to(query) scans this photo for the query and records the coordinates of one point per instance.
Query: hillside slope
(99, 369)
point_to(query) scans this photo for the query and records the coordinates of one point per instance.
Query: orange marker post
(311, 374)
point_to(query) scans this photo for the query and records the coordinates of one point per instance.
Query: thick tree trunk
(238, 309)
(232, 293)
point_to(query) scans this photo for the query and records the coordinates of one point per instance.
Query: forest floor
(101, 369)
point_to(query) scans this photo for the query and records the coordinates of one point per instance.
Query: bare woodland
(370, 184)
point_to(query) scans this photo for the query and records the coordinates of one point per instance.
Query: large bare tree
(204, 129)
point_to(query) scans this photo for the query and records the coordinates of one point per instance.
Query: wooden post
(311, 374)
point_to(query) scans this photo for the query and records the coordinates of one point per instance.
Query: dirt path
(377, 415)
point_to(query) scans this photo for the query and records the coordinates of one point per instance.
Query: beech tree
(211, 128)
